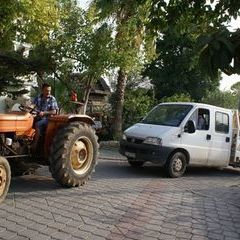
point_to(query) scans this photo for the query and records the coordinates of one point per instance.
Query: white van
(178, 134)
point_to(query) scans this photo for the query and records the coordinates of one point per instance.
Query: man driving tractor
(45, 105)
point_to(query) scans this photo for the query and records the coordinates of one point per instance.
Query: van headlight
(124, 137)
(153, 141)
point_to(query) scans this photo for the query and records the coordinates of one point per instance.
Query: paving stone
(199, 237)
(120, 202)
(8, 235)
(17, 237)
(215, 236)
(48, 231)
(231, 234)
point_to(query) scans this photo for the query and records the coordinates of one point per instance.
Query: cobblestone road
(120, 202)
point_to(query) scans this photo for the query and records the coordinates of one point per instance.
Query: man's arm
(47, 113)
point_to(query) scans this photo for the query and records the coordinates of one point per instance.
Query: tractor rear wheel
(73, 154)
(5, 178)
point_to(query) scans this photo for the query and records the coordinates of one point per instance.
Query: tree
(221, 99)
(176, 69)
(178, 98)
(235, 88)
(219, 47)
(78, 46)
(24, 22)
(216, 45)
(130, 37)
(16, 68)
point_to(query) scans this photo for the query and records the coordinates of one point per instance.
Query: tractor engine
(14, 146)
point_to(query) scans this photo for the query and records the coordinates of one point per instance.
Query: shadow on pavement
(121, 169)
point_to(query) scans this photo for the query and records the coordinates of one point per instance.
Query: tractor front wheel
(5, 178)
(73, 154)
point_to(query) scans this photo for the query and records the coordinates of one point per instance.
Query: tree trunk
(86, 94)
(118, 120)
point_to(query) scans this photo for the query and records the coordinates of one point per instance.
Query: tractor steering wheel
(28, 109)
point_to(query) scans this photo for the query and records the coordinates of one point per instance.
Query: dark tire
(5, 178)
(176, 165)
(20, 167)
(73, 154)
(135, 163)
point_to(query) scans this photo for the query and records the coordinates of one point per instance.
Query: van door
(220, 149)
(198, 144)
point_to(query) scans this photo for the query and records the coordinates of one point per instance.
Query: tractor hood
(18, 122)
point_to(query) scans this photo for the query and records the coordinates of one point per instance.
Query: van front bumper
(145, 152)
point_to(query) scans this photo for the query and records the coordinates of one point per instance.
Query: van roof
(197, 105)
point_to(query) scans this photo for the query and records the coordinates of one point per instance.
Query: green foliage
(133, 45)
(205, 21)
(79, 46)
(176, 69)
(235, 88)
(222, 99)
(217, 52)
(137, 103)
(36, 20)
(219, 46)
(23, 22)
(8, 13)
(177, 98)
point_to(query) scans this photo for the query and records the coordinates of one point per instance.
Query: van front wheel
(176, 165)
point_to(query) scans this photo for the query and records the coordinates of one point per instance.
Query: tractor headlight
(153, 141)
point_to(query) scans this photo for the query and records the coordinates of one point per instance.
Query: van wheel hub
(177, 164)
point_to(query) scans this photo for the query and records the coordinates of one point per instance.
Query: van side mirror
(190, 127)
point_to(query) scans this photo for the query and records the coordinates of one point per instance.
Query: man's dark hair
(45, 85)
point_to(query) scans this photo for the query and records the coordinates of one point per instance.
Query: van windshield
(167, 114)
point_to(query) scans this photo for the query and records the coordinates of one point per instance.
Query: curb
(114, 144)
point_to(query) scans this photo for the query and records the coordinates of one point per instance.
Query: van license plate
(130, 154)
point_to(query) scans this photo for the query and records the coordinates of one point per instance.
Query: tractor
(69, 147)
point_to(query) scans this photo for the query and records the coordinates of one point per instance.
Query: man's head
(46, 90)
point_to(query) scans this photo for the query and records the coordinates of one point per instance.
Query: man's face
(46, 91)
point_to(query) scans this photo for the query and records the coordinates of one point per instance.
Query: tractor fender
(58, 121)
(82, 118)
(71, 118)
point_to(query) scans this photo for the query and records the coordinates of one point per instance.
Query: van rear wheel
(176, 165)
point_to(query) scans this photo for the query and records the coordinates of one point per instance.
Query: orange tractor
(69, 147)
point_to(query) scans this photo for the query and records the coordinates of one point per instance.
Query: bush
(137, 103)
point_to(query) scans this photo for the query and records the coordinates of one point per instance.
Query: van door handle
(208, 137)
(227, 139)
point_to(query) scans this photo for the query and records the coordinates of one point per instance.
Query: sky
(227, 81)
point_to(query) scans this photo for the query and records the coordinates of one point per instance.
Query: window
(221, 122)
(167, 114)
(201, 117)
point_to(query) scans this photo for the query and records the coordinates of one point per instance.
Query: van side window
(201, 117)
(221, 122)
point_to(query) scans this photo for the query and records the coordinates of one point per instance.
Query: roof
(100, 85)
(198, 104)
